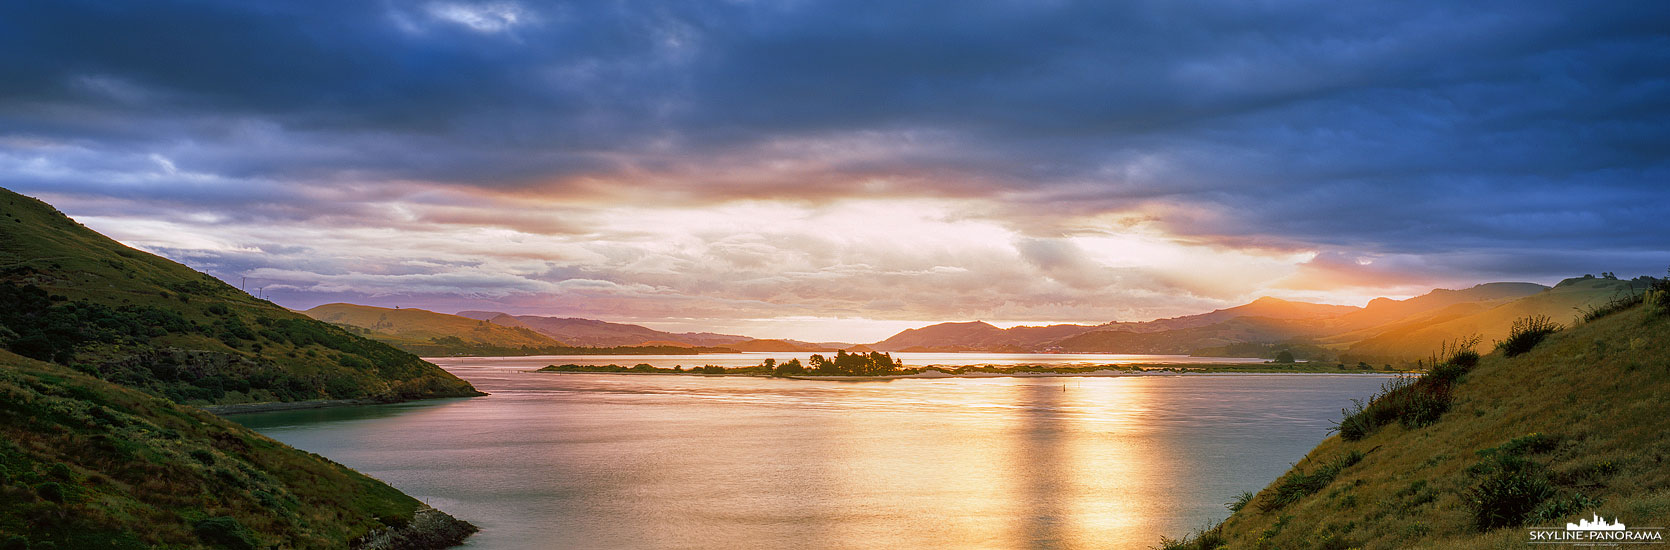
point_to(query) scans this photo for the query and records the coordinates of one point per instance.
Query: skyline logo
(1599, 524)
(1596, 531)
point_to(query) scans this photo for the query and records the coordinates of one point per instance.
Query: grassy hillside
(1573, 427)
(437, 334)
(88, 464)
(1418, 337)
(409, 327)
(1381, 311)
(72, 296)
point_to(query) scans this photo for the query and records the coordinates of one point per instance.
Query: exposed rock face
(430, 529)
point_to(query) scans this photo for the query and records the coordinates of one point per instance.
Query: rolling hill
(779, 346)
(975, 336)
(428, 332)
(1381, 311)
(72, 296)
(587, 332)
(102, 344)
(1489, 320)
(1571, 429)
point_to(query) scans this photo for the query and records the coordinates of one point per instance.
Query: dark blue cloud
(1406, 128)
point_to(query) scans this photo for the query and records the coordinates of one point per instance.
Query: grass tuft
(1526, 333)
(1204, 539)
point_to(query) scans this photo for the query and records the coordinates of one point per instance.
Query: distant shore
(271, 406)
(1004, 371)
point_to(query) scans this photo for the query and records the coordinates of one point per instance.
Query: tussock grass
(1411, 401)
(1526, 333)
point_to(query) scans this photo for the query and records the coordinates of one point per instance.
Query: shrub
(1510, 489)
(1205, 539)
(1658, 297)
(225, 532)
(1531, 443)
(1526, 333)
(51, 491)
(1240, 501)
(15, 542)
(1616, 304)
(1412, 402)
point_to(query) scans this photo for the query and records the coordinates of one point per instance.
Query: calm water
(597, 461)
(909, 359)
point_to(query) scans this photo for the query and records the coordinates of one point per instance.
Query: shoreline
(273, 406)
(270, 406)
(935, 374)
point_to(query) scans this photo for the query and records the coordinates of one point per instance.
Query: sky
(843, 170)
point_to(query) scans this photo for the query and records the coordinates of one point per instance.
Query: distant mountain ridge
(1266, 307)
(589, 332)
(1385, 330)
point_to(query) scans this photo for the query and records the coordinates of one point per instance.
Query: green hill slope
(1404, 341)
(88, 464)
(1572, 428)
(424, 331)
(1383, 311)
(72, 296)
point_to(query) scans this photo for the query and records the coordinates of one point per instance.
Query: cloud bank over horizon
(824, 170)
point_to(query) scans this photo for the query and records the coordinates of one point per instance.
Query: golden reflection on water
(1035, 465)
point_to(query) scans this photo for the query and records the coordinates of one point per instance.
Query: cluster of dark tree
(874, 363)
(842, 364)
(47, 327)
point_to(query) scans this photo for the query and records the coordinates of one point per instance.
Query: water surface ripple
(598, 461)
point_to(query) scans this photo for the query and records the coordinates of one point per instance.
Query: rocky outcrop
(430, 529)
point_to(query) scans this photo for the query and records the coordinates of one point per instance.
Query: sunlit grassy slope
(1596, 395)
(88, 464)
(72, 296)
(1421, 336)
(419, 327)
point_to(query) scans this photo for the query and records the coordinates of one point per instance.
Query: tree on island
(874, 363)
(787, 368)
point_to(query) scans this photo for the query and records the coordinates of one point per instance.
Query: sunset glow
(784, 172)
